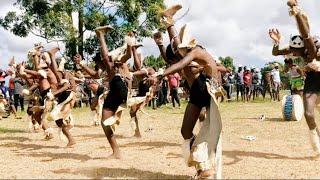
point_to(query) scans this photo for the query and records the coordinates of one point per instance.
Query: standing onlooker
(247, 79)
(164, 88)
(18, 98)
(255, 83)
(275, 74)
(174, 83)
(11, 88)
(239, 83)
(227, 82)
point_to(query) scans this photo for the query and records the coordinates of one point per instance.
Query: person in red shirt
(11, 88)
(247, 79)
(174, 83)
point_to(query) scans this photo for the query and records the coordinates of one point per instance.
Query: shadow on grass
(157, 144)
(99, 173)
(28, 147)
(20, 139)
(276, 120)
(236, 156)
(7, 130)
(57, 156)
(83, 126)
(97, 136)
(267, 119)
(173, 155)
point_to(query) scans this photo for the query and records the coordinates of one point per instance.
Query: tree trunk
(80, 27)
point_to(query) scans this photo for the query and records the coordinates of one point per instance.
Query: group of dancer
(52, 88)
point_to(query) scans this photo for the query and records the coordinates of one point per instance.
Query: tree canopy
(53, 20)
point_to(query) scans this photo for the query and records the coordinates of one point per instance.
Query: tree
(53, 20)
(227, 62)
(155, 62)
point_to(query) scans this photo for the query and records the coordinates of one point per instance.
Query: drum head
(292, 108)
(298, 109)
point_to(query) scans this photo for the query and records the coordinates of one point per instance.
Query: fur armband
(43, 73)
(25, 92)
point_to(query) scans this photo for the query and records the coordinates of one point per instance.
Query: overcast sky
(236, 28)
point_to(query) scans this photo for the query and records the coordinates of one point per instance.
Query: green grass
(7, 130)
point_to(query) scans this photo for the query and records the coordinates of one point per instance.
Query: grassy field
(281, 149)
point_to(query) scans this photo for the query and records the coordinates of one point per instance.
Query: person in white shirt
(275, 73)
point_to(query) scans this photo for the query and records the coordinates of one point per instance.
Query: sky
(236, 28)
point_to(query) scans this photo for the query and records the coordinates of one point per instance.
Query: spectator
(18, 98)
(11, 88)
(275, 74)
(227, 82)
(239, 83)
(164, 88)
(247, 79)
(256, 82)
(4, 93)
(174, 83)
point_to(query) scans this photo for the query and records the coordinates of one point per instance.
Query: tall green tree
(227, 62)
(155, 62)
(53, 20)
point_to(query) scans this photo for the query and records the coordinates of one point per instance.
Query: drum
(292, 108)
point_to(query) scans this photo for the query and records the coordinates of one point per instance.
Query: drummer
(296, 77)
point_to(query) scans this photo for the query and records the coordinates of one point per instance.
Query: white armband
(64, 81)
(82, 63)
(25, 92)
(43, 73)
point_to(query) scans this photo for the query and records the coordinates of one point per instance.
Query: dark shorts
(312, 82)
(248, 88)
(63, 96)
(240, 87)
(43, 95)
(199, 95)
(117, 94)
(100, 91)
(143, 89)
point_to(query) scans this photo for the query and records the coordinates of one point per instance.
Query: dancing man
(181, 54)
(305, 46)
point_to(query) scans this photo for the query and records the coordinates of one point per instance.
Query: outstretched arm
(276, 51)
(303, 27)
(181, 64)
(78, 60)
(159, 41)
(136, 58)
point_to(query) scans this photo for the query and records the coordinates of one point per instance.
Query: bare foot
(137, 134)
(171, 11)
(48, 137)
(114, 156)
(53, 52)
(103, 29)
(71, 144)
(207, 174)
(158, 38)
(292, 3)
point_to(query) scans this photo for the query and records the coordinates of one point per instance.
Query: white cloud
(236, 28)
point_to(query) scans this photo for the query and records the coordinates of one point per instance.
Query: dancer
(304, 46)
(180, 53)
(119, 82)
